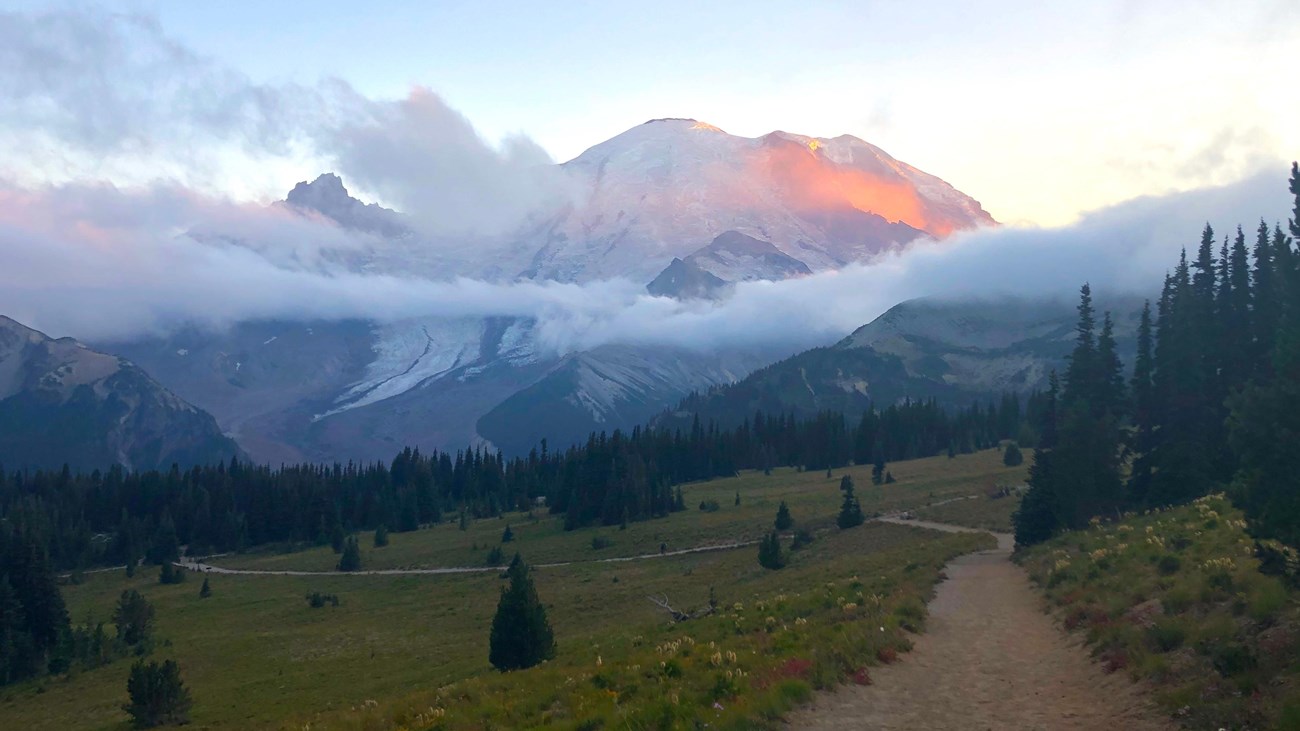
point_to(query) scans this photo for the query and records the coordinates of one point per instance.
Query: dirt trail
(989, 659)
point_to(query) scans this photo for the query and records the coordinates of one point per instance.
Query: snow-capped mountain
(677, 204)
(668, 187)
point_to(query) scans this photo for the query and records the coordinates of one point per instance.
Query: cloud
(92, 95)
(102, 263)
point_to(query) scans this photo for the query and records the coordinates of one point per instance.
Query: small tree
(205, 591)
(381, 536)
(850, 511)
(133, 617)
(158, 696)
(464, 520)
(507, 535)
(737, 497)
(889, 478)
(521, 636)
(878, 470)
(171, 574)
(351, 558)
(783, 519)
(770, 555)
(1012, 456)
(495, 557)
(846, 483)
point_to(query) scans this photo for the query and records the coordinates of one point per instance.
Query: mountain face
(670, 186)
(953, 351)
(677, 204)
(63, 403)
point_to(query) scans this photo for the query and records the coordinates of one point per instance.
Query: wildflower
(599, 661)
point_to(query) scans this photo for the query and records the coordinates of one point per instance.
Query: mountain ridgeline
(63, 403)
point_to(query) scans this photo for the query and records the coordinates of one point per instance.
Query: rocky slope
(61, 402)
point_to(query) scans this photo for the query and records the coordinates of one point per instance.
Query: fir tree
(770, 554)
(521, 636)
(783, 520)
(158, 696)
(133, 617)
(171, 574)
(1011, 456)
(206, 590)
(850, 511)
(381, 536)
(351, 558)
(507, 535)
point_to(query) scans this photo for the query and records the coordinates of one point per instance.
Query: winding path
(990, 659)
(193, 564)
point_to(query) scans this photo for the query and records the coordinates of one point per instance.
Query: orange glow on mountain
(816, 184)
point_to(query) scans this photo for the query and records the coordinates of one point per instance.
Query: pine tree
(850, 511)
(521, 636)
(381, 536)
(158, 696)
(206, 590)
(351, 558)
(1144, 411)
(1011, 456)
(133, 617)
(507, 535)
(846, 483)
(171, 574)
(783, 520)
(770, 554)
(338, 539)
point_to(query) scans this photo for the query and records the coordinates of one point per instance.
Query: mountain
(326, 196)
(954, 351)
(63, 403)
(666, 188)
(677, 204)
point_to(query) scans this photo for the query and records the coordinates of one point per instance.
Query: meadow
(1177, 599)
(257, 656)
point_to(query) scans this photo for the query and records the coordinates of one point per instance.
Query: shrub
(710, 506)
(1167, 635)
(802, 537)
(316, 600)
(600, 542)
(1168, 565)
(1012, 456)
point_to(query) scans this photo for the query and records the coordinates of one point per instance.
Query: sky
(1041, 111)
(140, 145)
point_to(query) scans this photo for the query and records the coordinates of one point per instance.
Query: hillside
(954, 351)
(63, 403)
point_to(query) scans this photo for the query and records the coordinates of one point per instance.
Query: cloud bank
(101, 263)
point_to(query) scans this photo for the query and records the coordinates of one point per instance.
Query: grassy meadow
(411, 651)
(1176, 599)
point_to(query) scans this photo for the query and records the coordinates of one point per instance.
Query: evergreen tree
(783, 520)
(171, 574)
(338, 539)
(1011, 456)
(206, 590)
(846, 483)
(381, 536)
(158, 696)
(133, 617)
(507, 535)
(351, 558)
(521, 636)
(770, 554)
(1144, 411)
(850, 511)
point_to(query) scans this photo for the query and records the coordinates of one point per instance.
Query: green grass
(1176, 599)
(256, 656)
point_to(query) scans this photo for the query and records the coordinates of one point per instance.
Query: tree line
(1211, 402)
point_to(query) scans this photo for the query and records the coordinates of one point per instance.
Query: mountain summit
(666, 188)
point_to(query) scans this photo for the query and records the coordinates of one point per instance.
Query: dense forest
(1213, 401)
(115, 516)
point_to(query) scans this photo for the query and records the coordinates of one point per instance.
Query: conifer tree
(507, 535)
(158, 696)
(770, 554)
(206, 590)
(133, 617)
(1011, 456)
(381, 536)
(521, 635)
(351, 558)
(783, 520)
(850, 511)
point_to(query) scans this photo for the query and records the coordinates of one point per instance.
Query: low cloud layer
(103, 264)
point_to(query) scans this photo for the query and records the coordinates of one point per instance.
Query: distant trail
(195, 565)
(989, 659)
